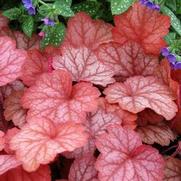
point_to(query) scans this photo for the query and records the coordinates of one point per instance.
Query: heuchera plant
(102, 106)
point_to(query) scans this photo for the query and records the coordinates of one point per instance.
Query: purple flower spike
(150, 5)
(157, 7)
(28, 4)
(165, 52)
(171, 58)
(177, 65)
(48, 22)
(143, 1)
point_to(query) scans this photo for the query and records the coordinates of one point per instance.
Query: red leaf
(2, 140)
(148, 117)
(40, 141)
(35, 65)
(13, 109)
(172, 169)
(83, 31)
(163, 72)
(128, 60)
(11, 61)
(83, 65)
(22, 41)
(123, 156)
(8, 162)
(142, 25)
(138, 93)
(83, 169)
(160, 134)
(16, 85)
(18, 174)
(54, 97)
(176, 123)
(87, 149)
(3, 21)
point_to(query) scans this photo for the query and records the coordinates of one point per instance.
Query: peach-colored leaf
(144, 26)
(8, 162)
(40, 141)
(127, 60)
(83, 65)
(83, 31)
(138, 93)
(35, 65)
(124, 158)
(83, 169)
(11, 61)
(172, 169)
(18, 174)
(160, 134)
(53, 96)
(13, 109)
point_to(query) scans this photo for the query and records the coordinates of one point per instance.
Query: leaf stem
(41, 2)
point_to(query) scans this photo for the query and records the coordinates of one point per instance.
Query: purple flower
(150, 4)
(171, 58)
(165, 52)
(177, 65)
(28, 4)
(48, 22)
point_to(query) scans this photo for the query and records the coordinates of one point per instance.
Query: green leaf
(89, 7)
(170, 37)
(62, 7)
(28, 25)
(120, 6)
(13, 13)
(175, 22)
(172, 5)
(53, 35)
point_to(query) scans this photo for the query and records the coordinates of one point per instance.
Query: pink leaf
(142, 25)
(13, 109)
(8, 162)
(83, 31)
(35, 65)
(107, 115)
(160, 134)
(138, 93)
(83, 169)
(9, 135)
(83, 65)
(128, 60)
(40, 141)
(11, 61)
(124, 158)
(53, 96)
(172, 169)
(18, 174)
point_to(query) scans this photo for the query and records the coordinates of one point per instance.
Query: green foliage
(53, 35)
(13, 13)
(28, 25)
(120, 6)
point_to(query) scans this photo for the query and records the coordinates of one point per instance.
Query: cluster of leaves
(102, 106)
